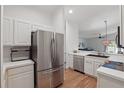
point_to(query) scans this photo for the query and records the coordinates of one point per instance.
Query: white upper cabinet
(16, 32)
(88, 66)
(22, 32)
(36, 27)
(7, 31)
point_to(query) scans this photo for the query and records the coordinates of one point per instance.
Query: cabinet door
(22, 33)
(88, 67)
(96, 66)
(7, 31)
(71, 60)
(67, 60)
(22, 80)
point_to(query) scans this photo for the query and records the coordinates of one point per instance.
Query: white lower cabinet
(88, 66)
(91, 64)
(105, 81)
(22, 80)
(96, 66)
(69, 60)
(21, 77)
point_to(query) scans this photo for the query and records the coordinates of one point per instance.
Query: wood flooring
(74, 79)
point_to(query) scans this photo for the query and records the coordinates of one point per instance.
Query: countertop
(83, 53)
(112, 72)
(10, 65)
(116, 74)
(116, 57)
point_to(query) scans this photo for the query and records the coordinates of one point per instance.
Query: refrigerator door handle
(51, 50)
(54, 48)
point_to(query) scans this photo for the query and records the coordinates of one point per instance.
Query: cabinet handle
(100, 65)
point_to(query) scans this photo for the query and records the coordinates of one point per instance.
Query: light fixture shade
(106, 42)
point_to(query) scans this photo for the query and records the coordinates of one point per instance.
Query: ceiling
(90, 19)
(48, 9)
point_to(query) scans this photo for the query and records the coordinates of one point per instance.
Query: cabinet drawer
(23, 80)
(100, 61)
(20, 70)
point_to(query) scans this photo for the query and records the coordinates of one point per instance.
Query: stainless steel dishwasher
(78, 63)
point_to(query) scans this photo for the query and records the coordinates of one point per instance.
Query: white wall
(59, 24)
(59, 21)
(72, 37)
(29, 14)
(72, 41)
(0, 46)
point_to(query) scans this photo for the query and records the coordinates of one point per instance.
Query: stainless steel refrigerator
(48, 55)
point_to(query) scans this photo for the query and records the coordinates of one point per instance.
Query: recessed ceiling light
(70, 11)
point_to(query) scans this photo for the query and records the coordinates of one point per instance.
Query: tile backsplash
(6, 53)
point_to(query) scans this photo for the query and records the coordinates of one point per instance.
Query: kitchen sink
(103, 56)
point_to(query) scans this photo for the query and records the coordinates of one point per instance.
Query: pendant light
(106, 41)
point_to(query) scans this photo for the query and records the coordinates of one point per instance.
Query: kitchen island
(111, 78)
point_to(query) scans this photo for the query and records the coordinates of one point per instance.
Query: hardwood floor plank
(74, 79)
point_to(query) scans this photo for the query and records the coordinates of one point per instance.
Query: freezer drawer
(50, 78)
(43, 79)
(57, 77)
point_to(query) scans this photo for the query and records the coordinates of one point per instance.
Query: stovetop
(114, 65)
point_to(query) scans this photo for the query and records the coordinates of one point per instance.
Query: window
(112, 48)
